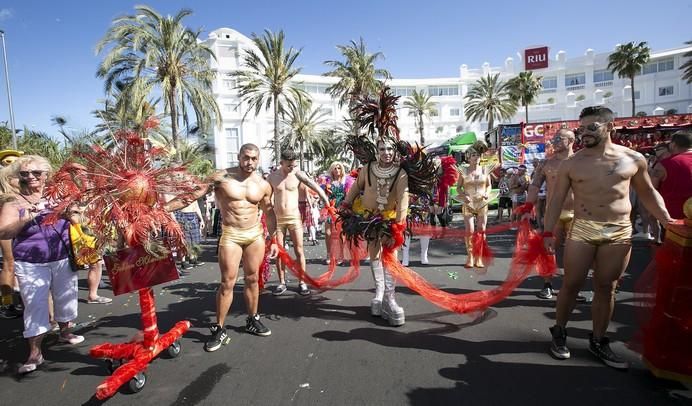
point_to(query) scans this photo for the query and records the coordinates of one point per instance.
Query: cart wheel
(174, 349)
(137, 383)
(113, 364)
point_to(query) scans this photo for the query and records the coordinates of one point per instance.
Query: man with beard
(599, 176)
(562, 146)
(240, 193)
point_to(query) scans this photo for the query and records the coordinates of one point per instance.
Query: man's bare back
(601, 182)
(238, 197)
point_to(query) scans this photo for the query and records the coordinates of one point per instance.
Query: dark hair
(522, 166)
(248, 147)
(682, 139)
(288, 155)
(604, 113)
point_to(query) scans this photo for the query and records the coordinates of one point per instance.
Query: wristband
(547, 234)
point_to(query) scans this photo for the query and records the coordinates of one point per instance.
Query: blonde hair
(334, 165)
(7, 173)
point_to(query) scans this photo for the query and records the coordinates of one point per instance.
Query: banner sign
(536, 58)
(511, 156)
(131, 269)
(532, 155)
(510, 135)
(533, 133)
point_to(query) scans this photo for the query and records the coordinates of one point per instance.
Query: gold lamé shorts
(240, 236)
(566, 218)
(477, 207)
(600, 232)
(290, 222)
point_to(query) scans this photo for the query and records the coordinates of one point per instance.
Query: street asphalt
(326, 349)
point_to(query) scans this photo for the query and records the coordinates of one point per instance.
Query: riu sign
(536, 58)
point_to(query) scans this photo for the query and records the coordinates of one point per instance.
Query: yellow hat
(7, 156)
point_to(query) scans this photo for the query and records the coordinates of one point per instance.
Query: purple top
(39, 243)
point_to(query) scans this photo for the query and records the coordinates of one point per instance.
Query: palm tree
(627, 61)
(420, 106)
(357, 73)
(687, 66)
(489, 99)
(149, 52)
(302, 121)
(266, 79)
(524, 89)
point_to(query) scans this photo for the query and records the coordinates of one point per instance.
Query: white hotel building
(568, 85)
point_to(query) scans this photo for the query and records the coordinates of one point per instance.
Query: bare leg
(297, 236)
(578, 259)
(253, 255)
(469, 228)
(611, 262)
(482, 220)
(281, 241)
(229, 260)
(93, 280)
(328, 240)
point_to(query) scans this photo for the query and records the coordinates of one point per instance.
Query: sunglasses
(593, 127)
(25, 174)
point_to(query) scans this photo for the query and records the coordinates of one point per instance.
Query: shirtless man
(240, 193)
(518, 184)
(600, 177)
(547, 172)
(286, 182)
(385, 190)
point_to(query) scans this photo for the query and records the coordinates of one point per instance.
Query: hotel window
(651, 67)
(232, 146)
(228, 84)
(550, 82)
(443, 90)
(665, 91)
(403, 91)
(575, 79)
(315, 88)
(602, 75)
(637, 95)
(665, 64)
(454, 112)
(230, 108)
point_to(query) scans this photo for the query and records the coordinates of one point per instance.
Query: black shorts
(505, 202)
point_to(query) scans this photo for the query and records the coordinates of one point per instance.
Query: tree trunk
(174, 122)
(634, 111)
(526, 113)
(420, 129)
(301, 155)
(277, 147)
(491, 122)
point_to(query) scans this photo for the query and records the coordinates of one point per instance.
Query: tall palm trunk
(491, 122)
(632, 85)
(174, 121)
(420, 129)
(277, 147)
(526, 113)
(301, 155)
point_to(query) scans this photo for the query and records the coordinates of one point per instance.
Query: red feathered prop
(449, 178)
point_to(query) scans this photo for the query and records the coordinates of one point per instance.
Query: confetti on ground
(453, 275)
(304, 385)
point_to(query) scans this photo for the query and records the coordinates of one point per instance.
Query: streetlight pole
(9, 91)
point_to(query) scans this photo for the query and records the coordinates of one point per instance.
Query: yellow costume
(240, 236)
(81, 240)
(475, 188)
(600, 232)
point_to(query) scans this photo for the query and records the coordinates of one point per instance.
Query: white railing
(607, 83)
(574, 87)
(549, 91)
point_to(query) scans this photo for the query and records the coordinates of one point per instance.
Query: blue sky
(52, 64)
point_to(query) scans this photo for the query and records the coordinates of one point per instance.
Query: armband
(547, 234)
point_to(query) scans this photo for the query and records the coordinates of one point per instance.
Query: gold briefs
(600, 232)
(566, 218)
(289, 222)
(240, 236)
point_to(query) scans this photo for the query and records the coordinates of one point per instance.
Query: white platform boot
(378, 276)
(424, 244)
(405, 251)
(391, 311)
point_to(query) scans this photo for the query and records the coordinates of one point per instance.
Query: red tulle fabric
(265, 268)
(481, 248)
(449, 177)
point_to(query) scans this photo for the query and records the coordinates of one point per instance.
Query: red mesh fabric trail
(265, 268)
(481, 249)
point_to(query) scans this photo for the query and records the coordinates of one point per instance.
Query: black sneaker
(279, 289)
(546, 292)
(601, 349)
(253, 325)
(218, 338)
(303, 289)
(558, 347)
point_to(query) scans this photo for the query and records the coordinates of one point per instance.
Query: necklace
(29, 201)
(384, 180)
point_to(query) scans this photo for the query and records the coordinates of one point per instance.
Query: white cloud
(5, 14)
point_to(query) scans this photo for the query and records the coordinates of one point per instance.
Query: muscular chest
(246, 190)
(289, 184)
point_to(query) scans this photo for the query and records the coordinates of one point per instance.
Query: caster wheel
(113, 364)
(137, 383)
(174, 349)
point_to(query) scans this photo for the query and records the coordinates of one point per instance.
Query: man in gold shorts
(240, 193)
(599, 176)
(547, 172)
(286, 181)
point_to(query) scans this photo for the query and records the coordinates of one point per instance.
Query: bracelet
(547, 234)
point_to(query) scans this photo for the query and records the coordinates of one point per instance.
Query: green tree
(303, 121)
(687, 66)
(151, 53)
(357, 73)
(266, 81)
(333, 147)
(627, 61)
(420, 106)
(524, 89)
(489, 99)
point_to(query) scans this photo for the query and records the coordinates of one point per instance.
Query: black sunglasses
(593, 127)
(25, 174)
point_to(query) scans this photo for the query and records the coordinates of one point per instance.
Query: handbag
(74, 266)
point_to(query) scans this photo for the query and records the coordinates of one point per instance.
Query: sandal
(30, 366)
(100, 300)
(70, 338)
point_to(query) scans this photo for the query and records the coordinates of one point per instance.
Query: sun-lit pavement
(326, 349)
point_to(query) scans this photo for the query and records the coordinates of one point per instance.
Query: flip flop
(100, 300)
(30, 366)
(73, 339)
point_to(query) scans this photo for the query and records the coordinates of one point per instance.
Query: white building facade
(568, 86)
